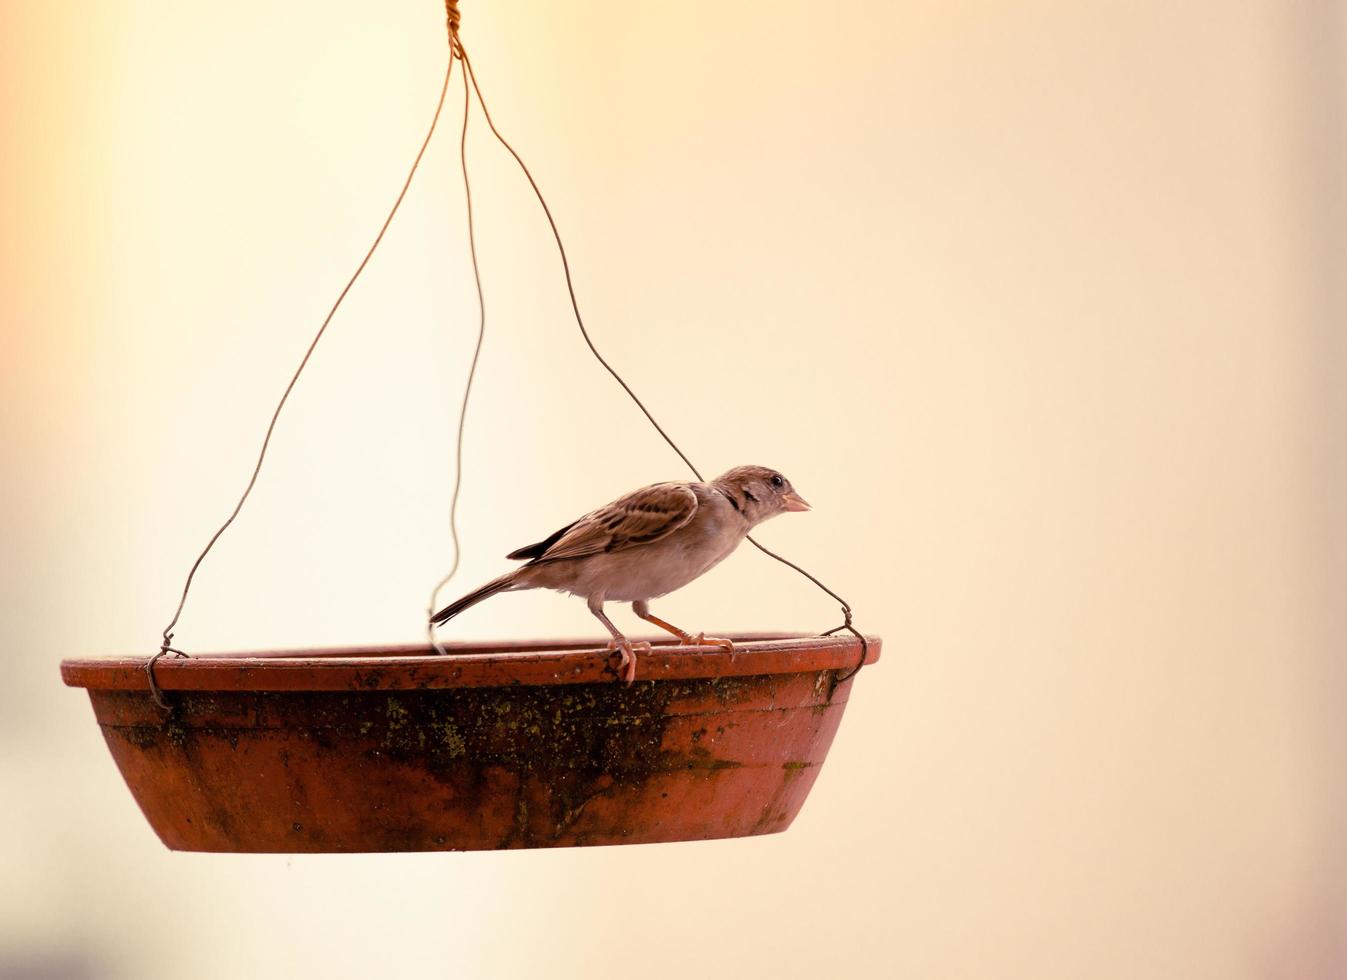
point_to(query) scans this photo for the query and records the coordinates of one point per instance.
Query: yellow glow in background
(1041, 306)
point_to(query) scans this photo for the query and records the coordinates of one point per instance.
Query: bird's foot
(626, 668)
(702, 640)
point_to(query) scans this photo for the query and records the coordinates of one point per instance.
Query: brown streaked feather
(641, 517)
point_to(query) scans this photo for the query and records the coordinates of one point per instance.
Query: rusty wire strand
(579, 320)
(166, 648)
(472, 369)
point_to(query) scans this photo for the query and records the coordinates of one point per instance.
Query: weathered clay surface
(416, 763)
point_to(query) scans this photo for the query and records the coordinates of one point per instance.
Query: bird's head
(759, 492)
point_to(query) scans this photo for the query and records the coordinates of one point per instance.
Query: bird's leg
(627, 668)
(642, 609)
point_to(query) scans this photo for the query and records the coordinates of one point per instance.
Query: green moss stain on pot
(397, 734)
(446, 733)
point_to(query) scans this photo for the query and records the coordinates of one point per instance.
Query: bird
(645, 545)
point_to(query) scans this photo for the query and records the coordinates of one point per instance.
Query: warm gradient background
(1040, 304)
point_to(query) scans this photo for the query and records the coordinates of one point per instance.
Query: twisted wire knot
(452, 16)
(164, 650)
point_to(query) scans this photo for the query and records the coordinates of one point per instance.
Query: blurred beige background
(1040, 304)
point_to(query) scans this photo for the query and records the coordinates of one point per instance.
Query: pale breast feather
(641, 517)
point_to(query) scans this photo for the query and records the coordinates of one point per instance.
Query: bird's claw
(702, 640)
(626, 668)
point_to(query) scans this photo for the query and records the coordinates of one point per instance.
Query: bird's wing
(536, 551)
(640, 517)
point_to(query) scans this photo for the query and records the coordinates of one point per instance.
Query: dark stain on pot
(556, 749)
(141, 736)
(713, 765)
(730, 689)
(173, 731)
(520, 765)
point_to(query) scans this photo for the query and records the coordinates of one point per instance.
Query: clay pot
(494, 746)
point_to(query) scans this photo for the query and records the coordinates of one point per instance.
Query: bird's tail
(503, 584)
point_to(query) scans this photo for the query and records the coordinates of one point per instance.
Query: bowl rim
(400, 667)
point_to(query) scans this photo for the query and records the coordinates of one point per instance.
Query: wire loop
(164, 650)
(865, 646)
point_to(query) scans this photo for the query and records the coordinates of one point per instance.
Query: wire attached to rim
(584, 332)
(458, 53)
(167, 639)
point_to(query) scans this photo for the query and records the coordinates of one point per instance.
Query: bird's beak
(793, 501)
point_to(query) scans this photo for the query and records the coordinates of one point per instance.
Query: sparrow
(645, 545)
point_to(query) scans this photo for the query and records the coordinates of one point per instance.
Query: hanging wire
(166, 646)
(566, 267)
(472, 370)
(458, 52)
(580, 322)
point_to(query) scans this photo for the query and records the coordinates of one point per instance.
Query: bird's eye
(777, 481)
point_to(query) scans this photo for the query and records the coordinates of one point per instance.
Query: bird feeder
(494, 746)
(471, 747)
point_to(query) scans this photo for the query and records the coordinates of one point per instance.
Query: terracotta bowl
(494, 746)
